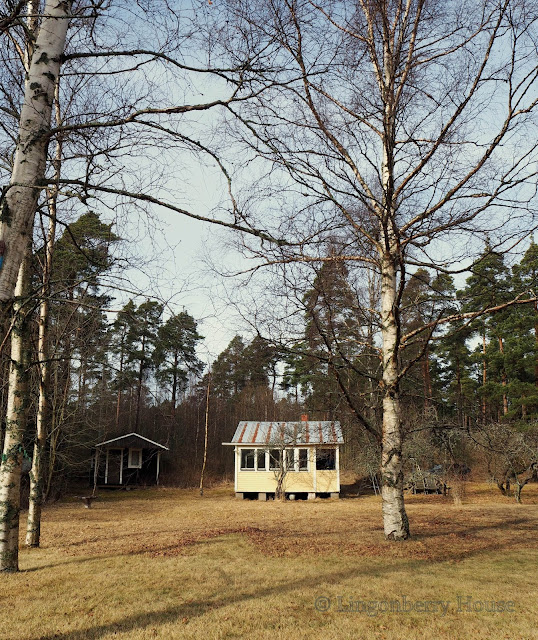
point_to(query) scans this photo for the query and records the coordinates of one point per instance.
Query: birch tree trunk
(33, 527)
(378, 129)
(20, 201)
(16, 416)
(202, 474)
(395, 521)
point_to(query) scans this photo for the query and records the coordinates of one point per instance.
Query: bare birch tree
(16, 417)
(18, 383)
(406, 130)
(20, 197)
(33, 527)
(116, 113)
(138, 80)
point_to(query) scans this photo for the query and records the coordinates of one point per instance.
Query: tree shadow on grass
(196, 609)
(182, 613)
(511, 526)
(74, 560)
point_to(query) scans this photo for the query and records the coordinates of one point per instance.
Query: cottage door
(114, 466)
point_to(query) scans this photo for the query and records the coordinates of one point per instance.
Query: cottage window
(275, 456)
(289, 459)
(135, 459)
(303, 459)
(247, 458)
(325, 459)
(261, 459)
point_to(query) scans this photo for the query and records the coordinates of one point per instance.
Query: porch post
(236, 463)
(315, 470)
(106, 467)
(338, 466)
(96, 466)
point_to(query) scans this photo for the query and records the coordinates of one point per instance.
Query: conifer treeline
(139, 371)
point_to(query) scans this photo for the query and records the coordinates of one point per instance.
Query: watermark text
(404, 604)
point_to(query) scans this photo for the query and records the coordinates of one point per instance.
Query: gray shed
(128, 460)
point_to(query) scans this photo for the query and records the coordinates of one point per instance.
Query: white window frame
(267, 454)
(269, 458)
(254, 468)
(256, 454)
(296, 461)
(336, 459)
(130, 464)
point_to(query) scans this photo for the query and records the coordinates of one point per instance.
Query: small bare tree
(512, 455)
(281, 454)
(281, 462)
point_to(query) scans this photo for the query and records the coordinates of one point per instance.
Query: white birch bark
(206, 432)
(16, 416)
(19, 202)
(395, 521)
(33, 527)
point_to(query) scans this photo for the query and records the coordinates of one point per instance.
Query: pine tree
(141, 340)
(333, 337)
(522, 339)
(229, 372)
(175, 353)
(486, 288)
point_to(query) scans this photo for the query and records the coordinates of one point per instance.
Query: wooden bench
(87, 500)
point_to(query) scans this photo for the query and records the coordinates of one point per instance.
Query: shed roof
(133, 440)
(288, 433)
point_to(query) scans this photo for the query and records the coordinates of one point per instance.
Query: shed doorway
(114, 466)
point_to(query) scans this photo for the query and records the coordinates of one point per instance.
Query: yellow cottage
(298, 459)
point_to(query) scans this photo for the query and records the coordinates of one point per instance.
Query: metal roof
(288, 433)
(133, 440)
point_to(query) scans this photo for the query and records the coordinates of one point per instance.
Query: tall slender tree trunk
(536, 342)
(504, 379)
(20, 201)
(118, 400)
(461, 416)
(33, 527)
(204, 462)
(130, 407)
(484, 378)
(427, 379)
(174, 385)
(139, 385)
(395, 521)
(58, 417)
(118, 405)
(16, 417)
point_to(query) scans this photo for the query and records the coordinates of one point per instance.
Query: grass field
(167, 563)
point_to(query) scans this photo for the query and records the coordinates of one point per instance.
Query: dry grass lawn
(167, 563)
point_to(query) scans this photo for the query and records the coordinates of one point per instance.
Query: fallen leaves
(170, 522)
